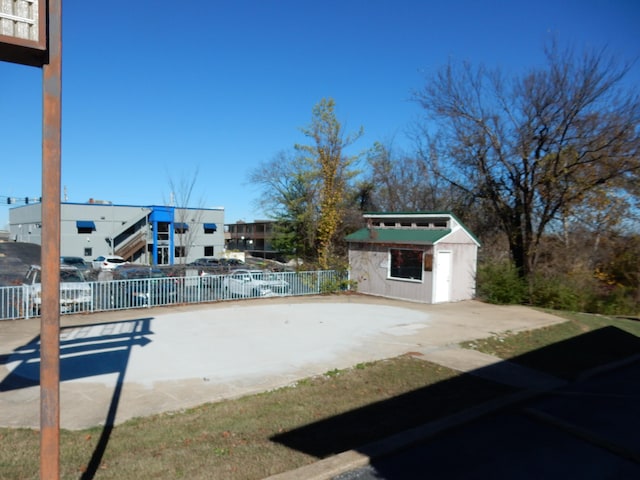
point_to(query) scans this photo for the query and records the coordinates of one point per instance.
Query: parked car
(205, 262)
(212, 280)
(77, 262)
(139, 285)
(107, 262)
(255, 283)
(75, 291)
(231, 262)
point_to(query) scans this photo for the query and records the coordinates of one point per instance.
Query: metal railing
(17, 302)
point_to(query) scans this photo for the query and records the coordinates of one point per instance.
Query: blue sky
(216, 87)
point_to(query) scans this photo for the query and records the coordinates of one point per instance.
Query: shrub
(560, 292)
(616, 300)
(338, 285)
(500, 283)
(578, 291)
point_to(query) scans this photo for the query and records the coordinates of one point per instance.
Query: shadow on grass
(572, 357)
(85, 351)
(374, 422)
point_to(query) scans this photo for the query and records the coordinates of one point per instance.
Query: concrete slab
(120, 365)
(492, 368)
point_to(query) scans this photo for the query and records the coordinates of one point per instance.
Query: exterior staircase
(133, 244)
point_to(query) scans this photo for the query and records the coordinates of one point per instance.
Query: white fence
(17, 302)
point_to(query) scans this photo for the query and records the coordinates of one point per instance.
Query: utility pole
(31, 34)
(50, 320)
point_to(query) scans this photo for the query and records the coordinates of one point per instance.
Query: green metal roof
(421, 214)
(398, 235)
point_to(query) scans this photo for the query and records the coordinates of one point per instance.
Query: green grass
(260, 435)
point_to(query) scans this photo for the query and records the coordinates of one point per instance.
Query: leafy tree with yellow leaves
(333, 170)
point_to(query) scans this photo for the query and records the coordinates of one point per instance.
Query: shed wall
(464, 260)
(369, 267)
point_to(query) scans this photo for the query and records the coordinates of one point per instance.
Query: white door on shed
(442, 279)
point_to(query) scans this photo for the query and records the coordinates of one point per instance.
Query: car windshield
(115, 260)
(70, 276)
(72, 261)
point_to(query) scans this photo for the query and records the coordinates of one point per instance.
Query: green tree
(535, 148)
(290, 197)
(308, 191)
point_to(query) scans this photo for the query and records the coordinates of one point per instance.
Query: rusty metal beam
(50, 320)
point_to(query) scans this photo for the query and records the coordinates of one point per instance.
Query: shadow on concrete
(601, 421)
(85, 351)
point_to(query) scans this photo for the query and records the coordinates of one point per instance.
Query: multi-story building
(252, 238)
(157, 235)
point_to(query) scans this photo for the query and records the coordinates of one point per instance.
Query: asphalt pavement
(587, 429)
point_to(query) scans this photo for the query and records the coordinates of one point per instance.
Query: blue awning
(181, 226)
(85, 224)
(210, 226)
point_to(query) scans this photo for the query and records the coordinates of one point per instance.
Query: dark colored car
(231, 262)
(205, 262)
(141, 286)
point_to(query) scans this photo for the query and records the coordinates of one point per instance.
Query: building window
(179, 252)
(88, 252)
(210, 228)
(405, 264)
(180, 227)
(85, 226)
(208, 251)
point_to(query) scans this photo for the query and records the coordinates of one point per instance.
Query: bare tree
(406, 182)
(534, 148)
(186, 215)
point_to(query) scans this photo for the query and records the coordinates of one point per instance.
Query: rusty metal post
(50, 320)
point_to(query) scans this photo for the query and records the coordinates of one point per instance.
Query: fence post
(25, 301)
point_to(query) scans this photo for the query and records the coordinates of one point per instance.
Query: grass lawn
(259, 435)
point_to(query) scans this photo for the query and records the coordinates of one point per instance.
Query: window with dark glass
(180, 227)
(208, 251)
(405, 264)
(85, 226)
(179, 252)
(210, 228)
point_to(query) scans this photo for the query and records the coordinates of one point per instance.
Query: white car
(107, 262)
(75, 292)
(255, 283)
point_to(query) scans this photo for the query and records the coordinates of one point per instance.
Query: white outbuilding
(428, 257)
